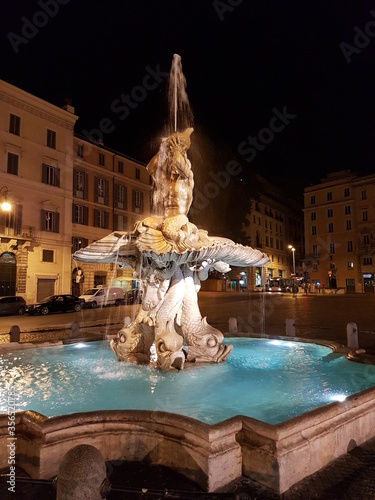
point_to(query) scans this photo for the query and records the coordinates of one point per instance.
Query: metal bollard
(289, 327)
(352, 335)
(233, 325)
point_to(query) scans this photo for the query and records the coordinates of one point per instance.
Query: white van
(99, 297)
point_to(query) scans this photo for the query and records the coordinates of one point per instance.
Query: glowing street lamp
(4, 205)
(294, 260)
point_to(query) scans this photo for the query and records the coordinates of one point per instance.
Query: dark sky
(244, 61)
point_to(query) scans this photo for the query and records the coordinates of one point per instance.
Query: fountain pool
(266, 379)
(309, 406)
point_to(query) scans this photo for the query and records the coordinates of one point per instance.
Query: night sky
(296, 77)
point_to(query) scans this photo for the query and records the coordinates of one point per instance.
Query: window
(329, 196)
(312, 200)
(14, 124)
(348, 224)
(78, 243)
(80, 214)
(51, 175)
(12, 164)
(80, 150)
(137, 201)
(101, 190)
(364, 216)
(121, 223)
(350, 246)
(101, 219)
(367, 261)
(346, 192)
(366, 239)
(330, 212)
(315, 250)
(47, 255)
(330, 227)
(315, 266)
(331, 248)
(80, 184)
(347, 210)
(51, 138)
(271, 242)
(101, 159)
(137, 173)
(313, 230)
(350, 265)
(267, 241)
(265, 224)
(50, 221)
(313, 215)
(363, 194)
(121, 196)
(120, 167)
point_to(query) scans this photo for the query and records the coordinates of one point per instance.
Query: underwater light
(79, 345)
(338, 397)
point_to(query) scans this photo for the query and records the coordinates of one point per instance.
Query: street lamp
(4, 203)
(294, 261)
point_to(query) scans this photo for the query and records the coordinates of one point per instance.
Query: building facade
(340, 232)
(275, 225)
(63, 192)
(110, 193)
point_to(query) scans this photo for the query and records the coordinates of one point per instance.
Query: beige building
(275, 224)
(110, 193)
(340, 232)
(64, 192)
(36, 172)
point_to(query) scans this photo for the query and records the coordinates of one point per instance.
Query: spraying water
(180, 115)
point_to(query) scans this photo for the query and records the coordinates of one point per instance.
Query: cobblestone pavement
(350, 477)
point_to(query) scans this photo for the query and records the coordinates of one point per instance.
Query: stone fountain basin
(276, 456)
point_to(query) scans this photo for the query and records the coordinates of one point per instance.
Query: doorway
(8, 274)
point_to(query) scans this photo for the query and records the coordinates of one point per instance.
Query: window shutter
(74, 181)
(115, 222)
(133, 200)
(141, 199)
(57, 177)
(86, 187)
(96, 180)
(18, 219)
(74, 211)
(57, 222)
(44, 173)
(95, 217)
(115, 194)
(85, 216)
(43, 220)
(106, 220)
(125, 198)
(106, 194)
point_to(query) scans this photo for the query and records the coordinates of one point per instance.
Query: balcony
(26, 233)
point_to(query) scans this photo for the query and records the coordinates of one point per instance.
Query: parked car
(102, 296)
(56, 303)
(133, 296)
(12, 304)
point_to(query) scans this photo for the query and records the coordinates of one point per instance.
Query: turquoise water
(270, 380)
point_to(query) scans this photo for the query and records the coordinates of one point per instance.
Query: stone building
(276, 223)
(63, 192)
(340, 232)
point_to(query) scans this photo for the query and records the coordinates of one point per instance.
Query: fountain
(172, 256)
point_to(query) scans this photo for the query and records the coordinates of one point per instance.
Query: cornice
(36, 112)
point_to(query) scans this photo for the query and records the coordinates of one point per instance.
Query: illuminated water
(269, 380)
